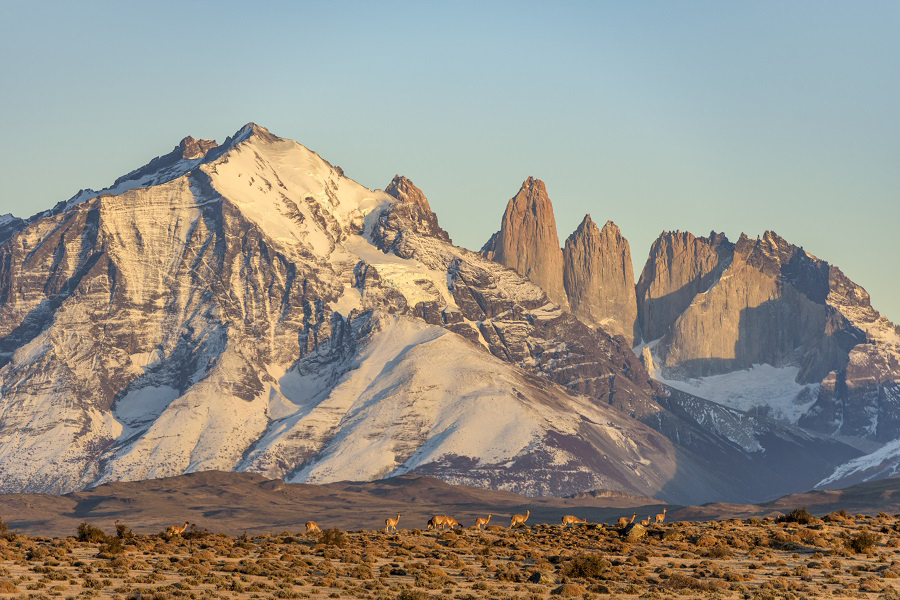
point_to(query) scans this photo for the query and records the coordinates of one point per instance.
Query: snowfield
(763, 389)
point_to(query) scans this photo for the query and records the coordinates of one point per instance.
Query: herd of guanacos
(443, 521)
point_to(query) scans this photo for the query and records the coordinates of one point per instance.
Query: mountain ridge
(262, 311)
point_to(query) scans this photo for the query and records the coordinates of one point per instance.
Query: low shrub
(586, 565)
(123, 532)
(112, 547)
(333, 537)
(798, 515)
(863, 541)
(89, 533)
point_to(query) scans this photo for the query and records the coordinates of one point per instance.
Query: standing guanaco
(482, 522)
(660, 517)
(391, 523)
(517, 520)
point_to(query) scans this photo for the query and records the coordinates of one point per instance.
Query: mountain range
(246, 306)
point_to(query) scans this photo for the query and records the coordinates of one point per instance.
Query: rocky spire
(599, 278)
(527, 241)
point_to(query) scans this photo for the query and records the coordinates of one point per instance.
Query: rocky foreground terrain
(800, 556)
(246, 537)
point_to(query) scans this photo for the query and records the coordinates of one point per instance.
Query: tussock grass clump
(570, 590)
(718, 551)
(111, 547)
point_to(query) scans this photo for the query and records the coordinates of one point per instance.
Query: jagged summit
(599, 278)
(262, 312)
(191, 148)
(413, 211)
(404, 190)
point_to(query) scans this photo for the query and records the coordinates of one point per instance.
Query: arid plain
(247, 538)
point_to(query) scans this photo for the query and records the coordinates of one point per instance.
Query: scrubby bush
(718, 551)
(586, 565)
(333, 537)
(197, 533)
(89, 533)
(123, 532)
(863, 541)
(112, 547)
(837, 516)
(798, 515)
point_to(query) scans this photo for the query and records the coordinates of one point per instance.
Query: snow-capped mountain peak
(246, 306)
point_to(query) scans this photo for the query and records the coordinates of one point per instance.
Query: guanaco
(176, 530)
(311, 527)
(482, 522)
(646, 521)
(517, 520)
(435, 522)
(624, 522)
(661, 516)
(391, 523)
(572, 519)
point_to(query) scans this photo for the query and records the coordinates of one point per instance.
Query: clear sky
(733, 116)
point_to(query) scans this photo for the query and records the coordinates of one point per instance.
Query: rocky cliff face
(599, 278)
(679, 267)
(719, 311)
(527, 241)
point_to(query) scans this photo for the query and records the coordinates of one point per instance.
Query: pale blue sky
(733, 116)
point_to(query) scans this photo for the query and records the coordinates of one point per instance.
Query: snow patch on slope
(408, 276)
(293, 194)
(415, 394)
(884, 462)
(772, 390)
